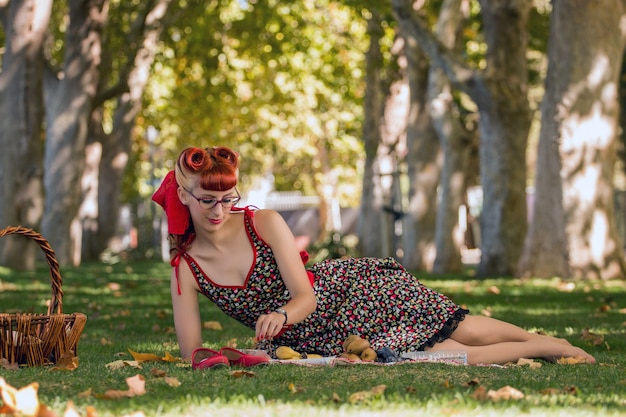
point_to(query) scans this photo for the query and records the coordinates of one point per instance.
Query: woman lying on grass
(246, 261)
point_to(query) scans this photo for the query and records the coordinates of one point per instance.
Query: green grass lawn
(128, 307)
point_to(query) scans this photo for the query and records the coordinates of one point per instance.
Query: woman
(247, 263)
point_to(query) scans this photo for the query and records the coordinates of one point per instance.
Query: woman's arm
(276, 233)
(186, 311)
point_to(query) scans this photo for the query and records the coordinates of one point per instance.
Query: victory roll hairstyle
(213, 168)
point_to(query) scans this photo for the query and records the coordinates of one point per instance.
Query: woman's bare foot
(571, 352)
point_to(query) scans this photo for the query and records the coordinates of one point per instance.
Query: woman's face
(209, 209)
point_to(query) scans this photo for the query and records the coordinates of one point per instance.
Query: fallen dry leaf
(295, 388)
(85, 394)
(232, 343)
(151, 357)
(550, 391)
(570, 389)
(242, 373)
(19, 402)
(44, 411)
(119, 364)
(480, 393)
(212, 325)
(571, 361)
(379, 389)
(595, 339)
(169, 358)
(505, 393)
(70, 410)
(172, 382)
(6, 365)
(566, 286)
(158, 373)
(361, 396)
(472, 383)
(528, 362)
(91, 411)
(67, 362)
(136, 386)
(144, 357)
(493, 290)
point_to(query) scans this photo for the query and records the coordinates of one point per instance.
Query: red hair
(216, 168)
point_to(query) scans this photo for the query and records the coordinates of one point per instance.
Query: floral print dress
(374, 298)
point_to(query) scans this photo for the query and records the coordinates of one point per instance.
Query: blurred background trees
(427, 118)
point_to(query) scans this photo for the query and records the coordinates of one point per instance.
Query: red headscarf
(167, 197)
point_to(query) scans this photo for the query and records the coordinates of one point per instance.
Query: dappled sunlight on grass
(129, 307)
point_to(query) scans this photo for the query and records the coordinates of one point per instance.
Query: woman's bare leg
(488, 340)
(480, 331)
(501, 353)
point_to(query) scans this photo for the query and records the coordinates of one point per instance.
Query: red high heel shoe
(236, 357)
(204, 358)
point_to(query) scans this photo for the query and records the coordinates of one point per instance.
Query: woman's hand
(269, 325)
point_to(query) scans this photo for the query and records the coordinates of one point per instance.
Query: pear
(357, 346)
(349, 340)
(368, 355)
(287, 353)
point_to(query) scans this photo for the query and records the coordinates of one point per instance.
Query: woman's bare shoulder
(270, 223)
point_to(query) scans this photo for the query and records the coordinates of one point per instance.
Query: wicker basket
(40, 339)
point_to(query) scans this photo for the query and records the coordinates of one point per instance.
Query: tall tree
(578, 147)
(125, 87)
(423, 162)
(68, 98)
(21, 114)
(370, 239)
(455, 141)
(500, 92)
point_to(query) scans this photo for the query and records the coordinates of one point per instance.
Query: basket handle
(56, 302)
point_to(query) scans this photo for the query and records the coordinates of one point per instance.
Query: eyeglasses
(208, 203)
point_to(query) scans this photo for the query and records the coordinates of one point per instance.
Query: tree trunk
(326, 190)
(455, 144)
(391, 153)
(370, 243)
(21, 115)
(588, 49)
(546, 251)
(424, 165)
(500, 92)
(116, 147)
(504, 124)
(68, 104)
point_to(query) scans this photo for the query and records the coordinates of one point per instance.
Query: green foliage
(277, 81)
(128, 307)
(335, 246)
